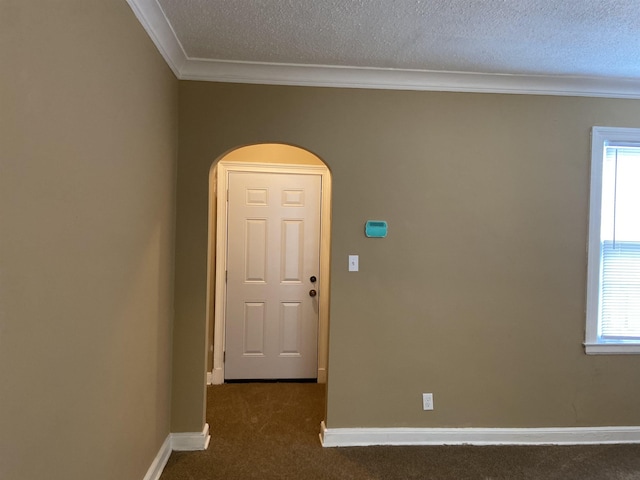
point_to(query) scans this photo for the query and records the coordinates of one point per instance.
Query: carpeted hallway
(270, 431)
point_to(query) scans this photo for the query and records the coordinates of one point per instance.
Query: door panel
(273, 250)
(292, 241)
(255, 250)
(253, 329)
(290, 318)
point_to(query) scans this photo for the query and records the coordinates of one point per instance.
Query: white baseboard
(191, 440)
(177, 441)
(209, 378)
(217, 376)
(158, 464)
(352, 437)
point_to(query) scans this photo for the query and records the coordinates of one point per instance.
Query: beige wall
(477, 294)
(88, 145)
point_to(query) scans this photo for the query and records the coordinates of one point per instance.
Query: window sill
(612, 348)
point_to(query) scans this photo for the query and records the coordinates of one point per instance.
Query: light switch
(353, 263)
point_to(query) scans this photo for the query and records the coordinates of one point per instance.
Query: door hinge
(227, 194)
(224, 357)
(226, 276)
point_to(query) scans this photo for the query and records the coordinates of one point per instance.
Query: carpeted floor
(270, 431)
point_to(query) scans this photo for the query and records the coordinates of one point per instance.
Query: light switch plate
(353, 263)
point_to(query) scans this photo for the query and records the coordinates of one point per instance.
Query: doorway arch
(263, 158)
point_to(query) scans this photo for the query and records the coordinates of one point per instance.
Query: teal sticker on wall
(375, 229)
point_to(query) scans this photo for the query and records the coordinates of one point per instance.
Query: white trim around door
(219, 292)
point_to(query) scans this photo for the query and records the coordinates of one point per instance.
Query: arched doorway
(265, 159)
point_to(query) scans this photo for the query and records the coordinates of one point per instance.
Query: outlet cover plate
(427, 401)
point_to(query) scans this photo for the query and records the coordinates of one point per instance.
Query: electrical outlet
(427, 401)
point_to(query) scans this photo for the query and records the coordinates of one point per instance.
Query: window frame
(600, 138)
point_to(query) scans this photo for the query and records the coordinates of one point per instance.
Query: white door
(272, 268)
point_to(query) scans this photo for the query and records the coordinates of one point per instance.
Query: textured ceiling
(598, 38)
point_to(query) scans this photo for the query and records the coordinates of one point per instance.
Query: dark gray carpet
(270, 431)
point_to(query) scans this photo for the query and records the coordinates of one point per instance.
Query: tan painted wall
(477, 294)
(88, 148)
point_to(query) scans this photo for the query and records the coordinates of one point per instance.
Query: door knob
(312, 293)
(313, 279)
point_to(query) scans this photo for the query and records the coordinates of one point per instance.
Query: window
(613, 277)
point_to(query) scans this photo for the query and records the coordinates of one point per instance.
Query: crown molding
(397, 79)
(153, 19)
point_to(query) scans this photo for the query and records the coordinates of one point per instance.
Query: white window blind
(620, 244)
(620, 292)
